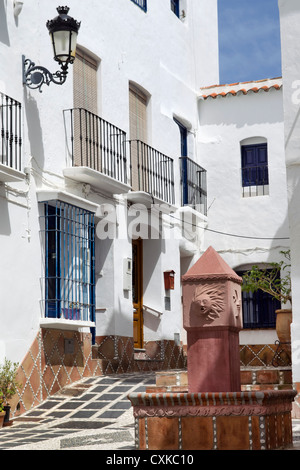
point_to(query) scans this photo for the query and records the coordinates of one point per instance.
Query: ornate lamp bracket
(34, 76)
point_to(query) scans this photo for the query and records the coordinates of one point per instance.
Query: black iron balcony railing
(151, 171)
(194, 185)
(97, 144)
(10, 137)
(255, 179)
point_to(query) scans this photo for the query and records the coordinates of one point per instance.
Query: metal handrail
(152, 309)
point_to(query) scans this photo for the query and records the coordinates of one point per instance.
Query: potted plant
(8, 385)
(275, 279)
(2, 412)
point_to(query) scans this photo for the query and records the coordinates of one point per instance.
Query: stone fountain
(211, 412)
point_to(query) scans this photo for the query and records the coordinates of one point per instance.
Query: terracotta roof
(234, 89)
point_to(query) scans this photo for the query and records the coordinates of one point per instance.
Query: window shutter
(138, 114)
(255, 165)
(84, 96)
(85, 82)
(138, 131)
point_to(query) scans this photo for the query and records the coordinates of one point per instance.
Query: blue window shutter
(175, 7)
(258, 309)
(255, 165)
(52, 218)
(141, 3)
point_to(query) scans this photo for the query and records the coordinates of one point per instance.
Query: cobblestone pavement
(93, 414)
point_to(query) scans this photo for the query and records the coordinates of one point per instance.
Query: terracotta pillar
(212, 317)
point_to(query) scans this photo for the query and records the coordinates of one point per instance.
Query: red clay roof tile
(275, 83)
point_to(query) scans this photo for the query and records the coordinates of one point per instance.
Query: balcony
(194, 185)
(10, 140)
(152, 173)
(98, 152)
(98, 157)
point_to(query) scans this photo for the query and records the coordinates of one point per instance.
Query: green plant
(8, 380)
(1, 403)
(275, 279)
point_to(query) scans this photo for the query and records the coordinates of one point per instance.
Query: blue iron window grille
(258, 309)
(175, 7)
(141, 3)
(69, 262)
(255, 165)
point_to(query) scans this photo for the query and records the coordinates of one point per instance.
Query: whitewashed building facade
(114, 183)
(241, 142)
(94, 163)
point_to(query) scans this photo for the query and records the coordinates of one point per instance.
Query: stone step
(257, 378)
(265, 376)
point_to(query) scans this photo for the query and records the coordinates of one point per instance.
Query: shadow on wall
(241, 110)
(35, 134)
(4, 37)
(5, 228)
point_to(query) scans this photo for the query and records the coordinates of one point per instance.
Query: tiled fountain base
(213, 421)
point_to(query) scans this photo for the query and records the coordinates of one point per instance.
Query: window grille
(10, 136)
(194, 185)
(255, 172)
(69, 262)
(141, 3)
(259, 309)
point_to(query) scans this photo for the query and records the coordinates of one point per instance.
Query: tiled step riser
(274, 379)
(266, 377)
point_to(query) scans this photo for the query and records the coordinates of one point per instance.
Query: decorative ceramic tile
(58, 358)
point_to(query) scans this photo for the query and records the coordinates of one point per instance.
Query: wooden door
(137, 292)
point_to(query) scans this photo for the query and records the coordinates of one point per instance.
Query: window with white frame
(254, 166)
(69, 262)
(258, 308)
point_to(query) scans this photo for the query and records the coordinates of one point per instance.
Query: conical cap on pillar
(211, 264)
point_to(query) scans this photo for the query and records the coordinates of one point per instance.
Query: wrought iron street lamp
(63, 32)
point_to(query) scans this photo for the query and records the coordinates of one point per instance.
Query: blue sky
(249, 40)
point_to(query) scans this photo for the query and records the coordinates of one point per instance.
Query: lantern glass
(64, 46)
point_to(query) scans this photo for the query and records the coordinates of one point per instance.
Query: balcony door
(138, 136)
(137, 292)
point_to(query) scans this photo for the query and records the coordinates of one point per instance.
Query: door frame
(137, 287)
